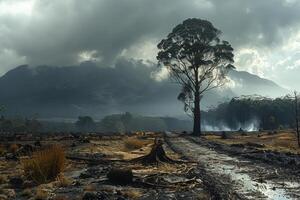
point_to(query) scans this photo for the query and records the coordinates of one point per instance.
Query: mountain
(247, 84)
(87, 89)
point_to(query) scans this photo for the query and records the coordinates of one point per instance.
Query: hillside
(87, 89)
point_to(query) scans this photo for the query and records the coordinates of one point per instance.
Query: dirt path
(236, 178)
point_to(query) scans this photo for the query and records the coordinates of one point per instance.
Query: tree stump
(156, 155)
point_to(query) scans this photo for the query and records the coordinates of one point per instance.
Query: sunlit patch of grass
(284, 141)
(133, 143)
(132, 193)
(45, 165)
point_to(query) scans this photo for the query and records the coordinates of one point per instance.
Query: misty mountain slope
(246, 83)
(87, 89)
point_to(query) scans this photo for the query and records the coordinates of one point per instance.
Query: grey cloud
(58, 30)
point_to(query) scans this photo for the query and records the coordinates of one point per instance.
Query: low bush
(13, 148)
(45, 165)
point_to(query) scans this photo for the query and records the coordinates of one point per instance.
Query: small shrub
(45, 165)
(133, 143)
(224, 135)
(13, 148)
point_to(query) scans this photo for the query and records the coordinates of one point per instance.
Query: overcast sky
(264, 33)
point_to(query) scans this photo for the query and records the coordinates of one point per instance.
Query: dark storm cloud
(57, 31)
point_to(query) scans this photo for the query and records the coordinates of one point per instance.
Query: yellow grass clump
(41, 194)
(132, 143)
(45, 165)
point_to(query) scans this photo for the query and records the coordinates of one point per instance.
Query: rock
(238, 145)
(28, 184)
(256, 145)
(16, 182)
(11, 156)
(120, 176)
(95, 196)
(37, 143)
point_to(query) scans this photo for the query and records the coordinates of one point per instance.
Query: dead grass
(284, 141)
(132, 193)
(41, 194)
(45, 165)
(63, 181)
(133, 143)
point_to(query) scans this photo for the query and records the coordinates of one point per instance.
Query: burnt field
(225, 165)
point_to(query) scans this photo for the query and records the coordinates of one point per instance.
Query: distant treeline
(247, 112)
(128, 122)
(267, 113)
(125, 122)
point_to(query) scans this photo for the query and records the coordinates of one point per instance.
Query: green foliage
(85, 124)
(271, 113)
(128, 122)
(19, 124)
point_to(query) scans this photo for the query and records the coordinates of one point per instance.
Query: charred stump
(156, 155)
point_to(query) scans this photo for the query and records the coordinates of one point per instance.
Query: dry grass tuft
(45, 165)
(41, 194)
(132, 193)
(63, 181)
(132, 143)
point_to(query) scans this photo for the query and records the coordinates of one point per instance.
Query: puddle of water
(223, 164)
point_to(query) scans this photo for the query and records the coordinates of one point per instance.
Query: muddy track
(229, 177)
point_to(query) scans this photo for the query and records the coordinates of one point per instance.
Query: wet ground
(235, 177)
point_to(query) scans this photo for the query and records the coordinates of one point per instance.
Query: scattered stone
(256, 145)
(16, 182)
(37, 143)
(11, 156)
(95, 196)
(120, 176)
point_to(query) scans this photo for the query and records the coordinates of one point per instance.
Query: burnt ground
(242, 171)
(211, 170)
(90, 159)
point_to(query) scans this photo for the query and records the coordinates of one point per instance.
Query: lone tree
(297, 117)
(198, 60)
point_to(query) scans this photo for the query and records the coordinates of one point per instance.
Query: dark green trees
(196, 59)
(85, 124)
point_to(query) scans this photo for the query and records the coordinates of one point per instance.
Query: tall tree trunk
(297, 118)
(197, 115)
